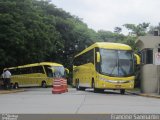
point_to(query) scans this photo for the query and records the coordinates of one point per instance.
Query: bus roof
(37, 64)
(107, 45)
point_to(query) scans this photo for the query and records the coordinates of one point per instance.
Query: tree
(35, 31)
(117, 30)
(137, 30)
(153, 28)
(108, 36)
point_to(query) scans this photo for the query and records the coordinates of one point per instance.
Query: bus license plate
(118, 86)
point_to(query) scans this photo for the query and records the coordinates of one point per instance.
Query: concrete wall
(148, 42)
(149, 79)
(150, 73)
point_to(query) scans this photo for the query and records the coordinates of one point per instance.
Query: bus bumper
(115, 85)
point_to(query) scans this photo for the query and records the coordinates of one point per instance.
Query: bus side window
(37, 69)
(48, 71)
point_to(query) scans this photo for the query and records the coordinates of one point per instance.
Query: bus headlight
(116, 81)
(103, 79)
(119, 81)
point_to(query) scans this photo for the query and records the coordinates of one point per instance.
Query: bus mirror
(137, 59)
(98, 57)
(67, 71)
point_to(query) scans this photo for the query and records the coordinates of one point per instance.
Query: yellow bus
(37, 74)
(105, 65)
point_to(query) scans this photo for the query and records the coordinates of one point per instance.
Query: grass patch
(135, 89)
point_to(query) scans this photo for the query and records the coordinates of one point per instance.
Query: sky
(108, 14)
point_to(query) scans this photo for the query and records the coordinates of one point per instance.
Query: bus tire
(93, 86)
(16, 86)
(77, 85)
(122, 91)
(96, 90)
(44, 85)
(82, 88)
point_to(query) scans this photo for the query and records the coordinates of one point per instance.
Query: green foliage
(138, 30)
(34, 31)
(154, 28)
(129, 40)
(117, 30)
(108, 36)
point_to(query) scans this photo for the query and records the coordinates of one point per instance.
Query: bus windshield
(116, 62)
(58, 71)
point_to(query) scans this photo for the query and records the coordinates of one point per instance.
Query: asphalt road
(41, 100)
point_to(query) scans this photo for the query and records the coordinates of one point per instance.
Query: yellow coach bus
(105, 65)
(37, 74)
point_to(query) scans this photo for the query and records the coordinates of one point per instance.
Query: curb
(10, 91)
(152, 96)
(144, 95)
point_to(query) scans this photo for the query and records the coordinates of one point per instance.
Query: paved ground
(41, 100)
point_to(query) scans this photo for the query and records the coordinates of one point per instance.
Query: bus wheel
(77, 84)
(93, 86)
(44, 85)
(96, 90)
(16, 86)
(122, 91)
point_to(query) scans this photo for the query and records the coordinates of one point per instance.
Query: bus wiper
(113, 69)
(122, 70)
